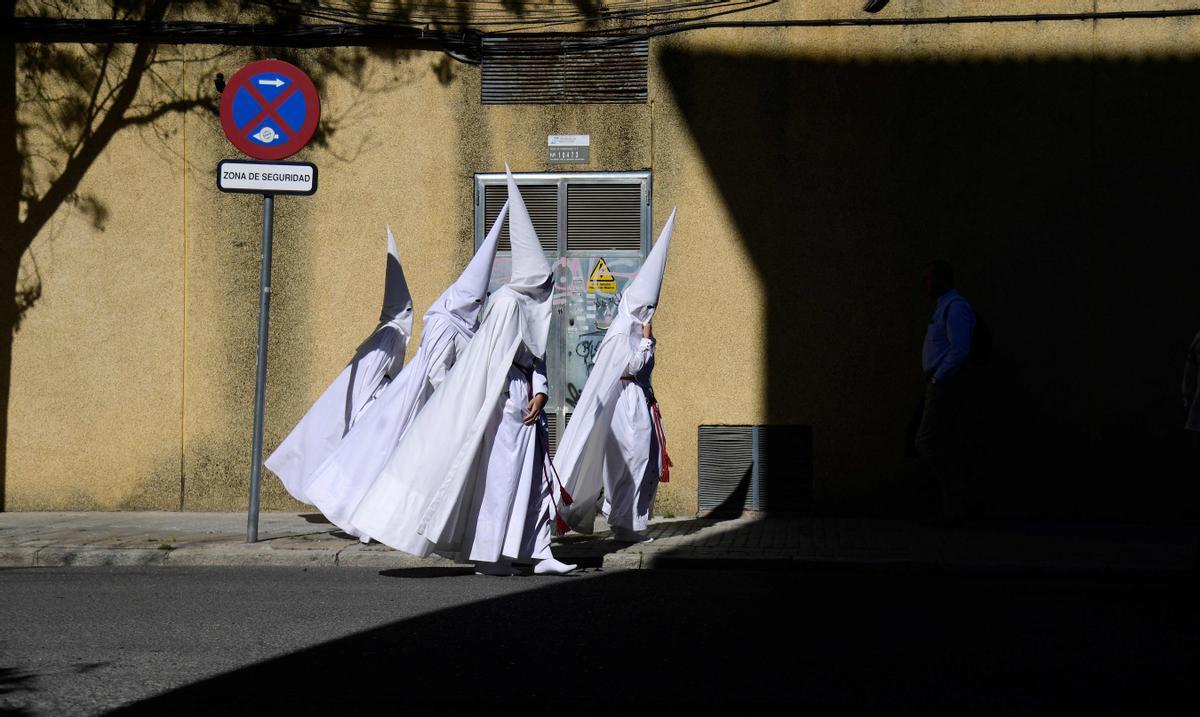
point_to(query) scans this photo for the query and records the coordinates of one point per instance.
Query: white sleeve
(540, 382)
(640, 356)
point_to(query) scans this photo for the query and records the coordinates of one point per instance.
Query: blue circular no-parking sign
(270, 109)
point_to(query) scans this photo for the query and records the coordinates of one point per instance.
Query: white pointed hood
(532, 276)
(397, 301)
(460, 303)
(641, 294)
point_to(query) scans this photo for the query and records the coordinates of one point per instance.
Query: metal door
(595, 228)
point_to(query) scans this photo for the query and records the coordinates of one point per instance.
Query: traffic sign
(270, 109)
(266, 177)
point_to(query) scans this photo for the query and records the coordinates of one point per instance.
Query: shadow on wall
(685, 637)
(1063, 193)
(61, 105)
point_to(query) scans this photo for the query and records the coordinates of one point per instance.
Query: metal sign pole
(260, 378)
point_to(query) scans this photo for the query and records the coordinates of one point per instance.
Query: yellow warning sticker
(601, 280)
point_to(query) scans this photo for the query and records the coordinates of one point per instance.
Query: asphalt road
(335, 640)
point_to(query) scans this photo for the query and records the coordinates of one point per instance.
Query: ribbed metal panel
(604, 217)
(542, 202)
(758, 468)
(564, 69)
(726, 465)
(552, 429)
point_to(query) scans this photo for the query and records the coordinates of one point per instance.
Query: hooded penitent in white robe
(633, 454)
(466, 480)
(343, 479)
(377, 359)
(614, 439)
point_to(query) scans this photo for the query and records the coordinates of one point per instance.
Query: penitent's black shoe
(875, 5)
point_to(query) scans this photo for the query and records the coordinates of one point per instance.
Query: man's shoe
(875, 5)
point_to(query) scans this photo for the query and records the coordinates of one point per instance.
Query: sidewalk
(291, 539)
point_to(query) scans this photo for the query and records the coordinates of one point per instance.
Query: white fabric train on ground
(466, 480)
(343, 479)
(378, 358)
(597, 448)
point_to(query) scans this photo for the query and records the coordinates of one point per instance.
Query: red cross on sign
(270, 109)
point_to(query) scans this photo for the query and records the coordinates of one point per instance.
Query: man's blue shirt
(948, 338)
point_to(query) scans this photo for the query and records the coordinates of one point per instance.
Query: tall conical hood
(532, 276)
(641, 294)
(478, 274)
(397, 301)
(530, 270)
(460, 303)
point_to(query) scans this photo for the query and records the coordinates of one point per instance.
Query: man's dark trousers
(942, 438)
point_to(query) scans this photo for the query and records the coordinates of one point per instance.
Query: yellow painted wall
(133, 376)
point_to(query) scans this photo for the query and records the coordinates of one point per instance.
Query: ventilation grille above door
(564, 69)
(542, 202)
(756, 468)
(604, 217)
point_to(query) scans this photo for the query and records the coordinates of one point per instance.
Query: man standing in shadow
(1191, 388)
(941, 436)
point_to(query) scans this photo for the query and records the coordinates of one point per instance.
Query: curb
(361, 556)
(240, 556)
(899, 566)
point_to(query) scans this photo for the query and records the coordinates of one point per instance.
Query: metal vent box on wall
(564, 69)
(756, 468)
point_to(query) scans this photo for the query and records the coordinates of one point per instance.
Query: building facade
(816, 170)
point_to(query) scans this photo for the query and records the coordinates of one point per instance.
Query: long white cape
(417, 503)
(340, 483)
(329, 419)
(325, 424)
(414, 504)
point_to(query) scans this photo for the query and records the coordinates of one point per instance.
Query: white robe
(632, 456)
(589, 449)
(509, 513)
(586, 444)
(344, 478)
(425, 498)
(329, 419)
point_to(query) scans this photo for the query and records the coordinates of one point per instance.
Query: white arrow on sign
(277, 82)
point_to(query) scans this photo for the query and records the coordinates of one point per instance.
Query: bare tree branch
(39, 212)
(161, 110)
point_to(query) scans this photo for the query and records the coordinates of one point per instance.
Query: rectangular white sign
(569, 148)
(569, 140)
(266, 177)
